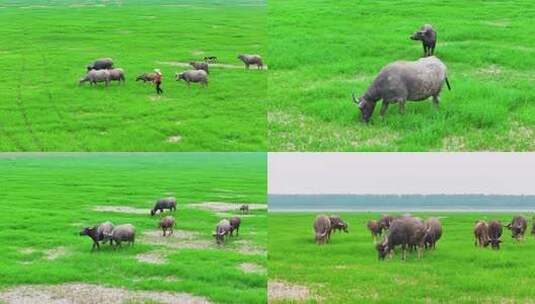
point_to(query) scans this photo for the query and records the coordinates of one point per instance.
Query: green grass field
(46, 199)
(46, 45)
(347, 270)
(321, 51)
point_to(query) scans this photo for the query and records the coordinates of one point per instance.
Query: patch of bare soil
(79, 293)
(284, 291)
(152, 258)
(170, 279)
(211, 65)
(54, 253)
(491, 70)
(246, 247)
(26, 250)
(225, 207)
(121, 209)
(174, 138)
(251, 267)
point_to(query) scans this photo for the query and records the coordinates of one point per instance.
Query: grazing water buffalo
(481, 233)
(401, 81)
(98, 233)
(164, 203)
(235, 225)
(244, 209)
(338, 224)
(518, 227)
(100, 64)
(428, 36)
(251, 60)
(433, 232)
(95, 76)
(123, 233)
(190, 76)
(384, 222)
(406, 232)
(374, 228)
(200, 66)
(146, 77)
(167, 223)
(117, 75)
(322, 229)
(494, 234)
(221, 230)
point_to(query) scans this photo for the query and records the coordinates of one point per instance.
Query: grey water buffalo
(518, 227)
(337, 224)
(405, 231)
(481, 233)
(401, 81)
(428, 36)
(94, 77)
(200, 66)
(123, 233)
(322, 229)
(384, 222)
(164, 203)
(251, 60)
(190, 76)
(244, 208)
(433, 232)
(373, 227)
(235, 222)
(146, 77)
(117, 75)
(167, 223)
(221, 230)
(100, 64)
(98, 233)
(494, 234)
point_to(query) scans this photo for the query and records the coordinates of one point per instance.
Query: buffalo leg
(384, 107)
(436, 100)
(401, 106)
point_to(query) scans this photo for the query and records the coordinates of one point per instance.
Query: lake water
(414, 203)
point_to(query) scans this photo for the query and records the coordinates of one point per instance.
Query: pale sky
(401, 173)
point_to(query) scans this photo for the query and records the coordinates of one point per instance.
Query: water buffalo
(384, 222)
(146, 77)
(373, 227)
(322, 229)
(406, 232)
(167, 223)
(235, 222)
(338, 224)
(518, 227)
(117, 75)
(221, 230)
(494, 234)
(164, 203)
(94, 76)
(190, 76)
(481, 233)
(433, 232)
(210, 59)
(123, 233)
(200, 66)
(100, 64)
(98, 233)
(401, 81)
(251, 60)
(428, 36)
(244, 209)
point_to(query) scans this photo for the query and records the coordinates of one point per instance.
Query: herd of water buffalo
(401, 81)
(108, 232)
(102, 70)
(413, 233)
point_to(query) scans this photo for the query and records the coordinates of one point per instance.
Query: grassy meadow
(46, 45)
(322, 51)
(47, 199)
(347, 270)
